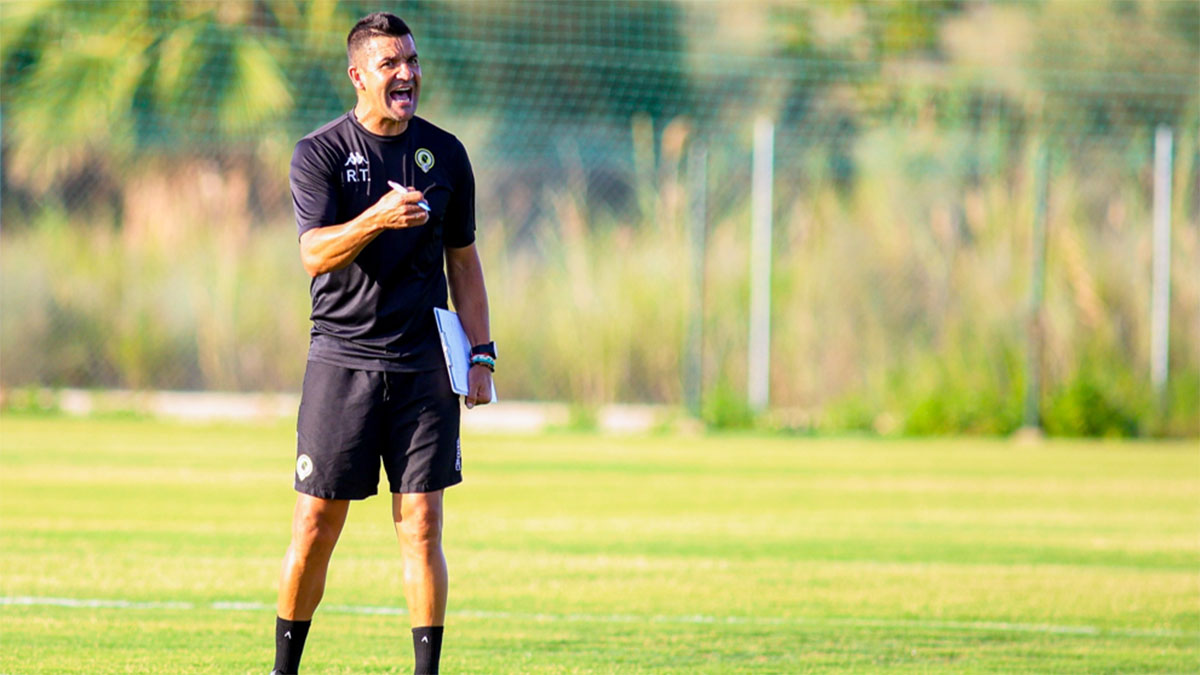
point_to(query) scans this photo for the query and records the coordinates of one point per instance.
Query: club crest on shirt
(424, 159)
(357, 169)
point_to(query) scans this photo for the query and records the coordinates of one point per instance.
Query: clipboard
(457, 350)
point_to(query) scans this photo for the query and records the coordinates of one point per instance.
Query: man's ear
(356, 78)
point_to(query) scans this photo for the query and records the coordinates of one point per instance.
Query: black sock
(289, 644)
(427, 645)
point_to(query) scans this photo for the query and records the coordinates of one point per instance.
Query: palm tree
(94, 87)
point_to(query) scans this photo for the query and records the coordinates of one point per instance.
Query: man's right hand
(329, 248)
(396, 210)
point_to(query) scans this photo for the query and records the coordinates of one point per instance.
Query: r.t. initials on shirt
(359, 169)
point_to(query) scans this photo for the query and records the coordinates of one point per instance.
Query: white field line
(980, 626)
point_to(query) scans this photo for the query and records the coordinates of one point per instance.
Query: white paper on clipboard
(457, 350)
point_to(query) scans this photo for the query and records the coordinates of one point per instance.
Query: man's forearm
(467, 290)
(329, 248)
(325, 249)
(474, 316)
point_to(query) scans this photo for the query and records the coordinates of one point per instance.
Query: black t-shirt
(377, 312)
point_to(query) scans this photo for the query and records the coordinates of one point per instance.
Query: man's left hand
(479, 386)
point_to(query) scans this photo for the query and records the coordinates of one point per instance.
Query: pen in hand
(400, 188)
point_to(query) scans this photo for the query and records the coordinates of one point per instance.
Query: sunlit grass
(581, 553)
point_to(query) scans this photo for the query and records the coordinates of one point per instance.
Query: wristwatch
(488, 348)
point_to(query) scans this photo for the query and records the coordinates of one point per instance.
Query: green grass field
(152, 547)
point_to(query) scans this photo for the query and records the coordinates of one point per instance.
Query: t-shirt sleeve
(460, 213)
(313, 184)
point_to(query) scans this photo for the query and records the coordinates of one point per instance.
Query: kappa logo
(458, 455)
(359, 168)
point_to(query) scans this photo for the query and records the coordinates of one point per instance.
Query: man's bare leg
(316, 525)
(418, 519)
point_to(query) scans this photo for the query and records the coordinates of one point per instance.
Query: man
(376, 386)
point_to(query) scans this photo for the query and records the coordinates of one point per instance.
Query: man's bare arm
(325, 249)
(465, 276)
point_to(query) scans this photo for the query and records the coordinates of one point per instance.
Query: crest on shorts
(304, 467)
(424, 159)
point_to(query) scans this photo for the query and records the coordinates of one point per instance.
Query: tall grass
(88, 305)
(900, 302)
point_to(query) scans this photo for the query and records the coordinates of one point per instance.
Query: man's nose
(404, 72)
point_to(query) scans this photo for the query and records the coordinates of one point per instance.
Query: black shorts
(350, 419)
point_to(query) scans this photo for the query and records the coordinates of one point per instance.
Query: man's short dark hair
(374, 25)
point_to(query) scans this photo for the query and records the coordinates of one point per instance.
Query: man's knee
(421, 525)
(317, 524)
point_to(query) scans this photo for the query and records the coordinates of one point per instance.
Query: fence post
(693, 361)
(760, 265)
(1160, 283)
(1031, 419)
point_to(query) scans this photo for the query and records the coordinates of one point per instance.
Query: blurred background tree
(146, 239)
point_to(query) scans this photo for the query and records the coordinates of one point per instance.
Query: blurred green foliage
(146, 222)
(726, 408)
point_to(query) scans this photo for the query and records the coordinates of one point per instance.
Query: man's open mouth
(401, 95)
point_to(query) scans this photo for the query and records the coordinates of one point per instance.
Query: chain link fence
(147, 239)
